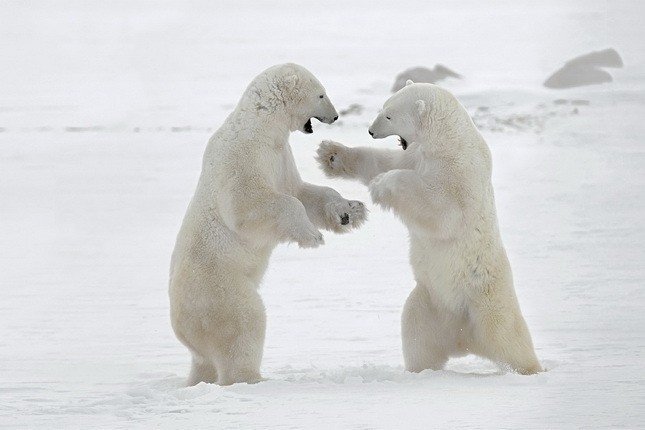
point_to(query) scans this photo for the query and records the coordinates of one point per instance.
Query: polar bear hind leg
(238, 352)
(430, 334)
(202, 370)
(226, 341)
(502, 336)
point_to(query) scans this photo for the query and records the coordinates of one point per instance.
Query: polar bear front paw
(345, 215)
(309, 237)
(333, 158)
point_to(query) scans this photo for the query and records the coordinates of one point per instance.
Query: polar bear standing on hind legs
(440, 186)
(249, 198)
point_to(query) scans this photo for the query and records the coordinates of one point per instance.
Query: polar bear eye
(388, 118)
(321, 97)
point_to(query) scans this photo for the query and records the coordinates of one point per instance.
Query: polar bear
(249, 198)
(440, 186)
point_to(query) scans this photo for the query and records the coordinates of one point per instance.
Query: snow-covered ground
(105, 109)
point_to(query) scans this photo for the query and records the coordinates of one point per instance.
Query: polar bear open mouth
(403, 143)
(307, 128)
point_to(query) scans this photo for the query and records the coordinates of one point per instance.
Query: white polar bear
(464, 301)
(249, 198)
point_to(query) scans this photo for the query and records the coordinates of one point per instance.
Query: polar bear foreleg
(364, 164)
(327, 209)
(254, 213)
(423, 205)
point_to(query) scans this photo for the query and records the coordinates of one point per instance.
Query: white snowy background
(105, 110)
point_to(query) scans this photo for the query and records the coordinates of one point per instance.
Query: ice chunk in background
(423, 74)
(585, 70)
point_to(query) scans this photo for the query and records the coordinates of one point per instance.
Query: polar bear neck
(265, 97)
(448, 130)
(253, 123)
(262, 110)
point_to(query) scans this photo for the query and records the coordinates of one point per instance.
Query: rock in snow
(423, 74)
(585, 70)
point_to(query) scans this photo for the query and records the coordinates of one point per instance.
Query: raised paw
(333, 158)
(345, 215)
(310, 238)
(357, 213)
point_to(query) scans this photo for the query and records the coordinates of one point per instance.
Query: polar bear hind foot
(241, 376)
(202, 371)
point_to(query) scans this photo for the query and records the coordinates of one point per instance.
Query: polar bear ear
(408, 82)
(421, 106)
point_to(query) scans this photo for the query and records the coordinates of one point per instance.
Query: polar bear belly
(439, 267)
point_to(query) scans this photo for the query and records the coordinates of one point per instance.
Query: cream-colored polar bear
(249, 198)
(464, 301)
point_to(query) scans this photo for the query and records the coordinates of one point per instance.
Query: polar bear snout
(327, 120)
(308, 127)
(379, 129)
(328, 115)
(376, 134)
(326, 111)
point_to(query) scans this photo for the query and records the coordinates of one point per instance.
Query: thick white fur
(464, 301)
(249, 198)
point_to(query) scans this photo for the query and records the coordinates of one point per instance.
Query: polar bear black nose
(370, 132)
(336, 117)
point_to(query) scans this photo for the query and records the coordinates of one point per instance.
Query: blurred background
(120, 65)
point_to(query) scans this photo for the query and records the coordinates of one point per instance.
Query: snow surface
(105, 109)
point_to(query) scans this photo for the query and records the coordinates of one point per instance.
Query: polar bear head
(291, 93)
(417, 113)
